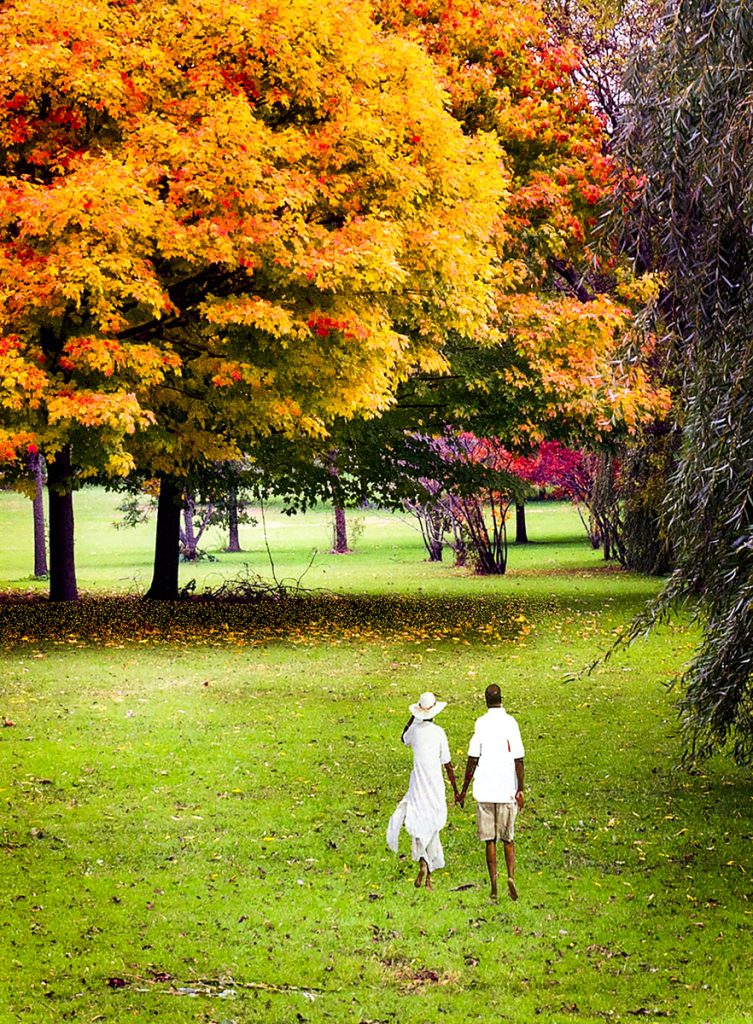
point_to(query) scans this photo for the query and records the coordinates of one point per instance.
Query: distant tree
(587, 478)
(339, 523)
(213, 500)
(521, 527)
(431, 511)
(481, 489)
(647, 464)
(36, 468)
(196, 519)
(233, 520)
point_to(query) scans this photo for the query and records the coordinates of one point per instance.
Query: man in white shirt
(495, 764)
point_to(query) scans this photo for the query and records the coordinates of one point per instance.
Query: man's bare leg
(491, 863)
(510, 862)
(423, 872)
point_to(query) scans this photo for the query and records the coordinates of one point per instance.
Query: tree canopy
(264, 208)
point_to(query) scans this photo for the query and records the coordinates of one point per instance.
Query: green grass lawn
(194, 815)
(387, 552)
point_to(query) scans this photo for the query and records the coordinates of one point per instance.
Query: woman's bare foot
(428, 880)
(422, 874)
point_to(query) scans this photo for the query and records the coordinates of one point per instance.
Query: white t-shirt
(496, 742)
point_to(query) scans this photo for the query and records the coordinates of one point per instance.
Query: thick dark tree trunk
(40, 540)
(340, 546)
(234, 542)
(167, 543)
(521, 530)
(62, 552)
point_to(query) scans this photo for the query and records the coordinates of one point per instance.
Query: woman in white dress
(423, 809)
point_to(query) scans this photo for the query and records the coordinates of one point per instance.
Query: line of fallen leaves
(302, 619)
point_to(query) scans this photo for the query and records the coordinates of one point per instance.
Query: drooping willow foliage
(689, 131)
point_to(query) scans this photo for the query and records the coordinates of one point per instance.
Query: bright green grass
(214, 816)
(388, 555)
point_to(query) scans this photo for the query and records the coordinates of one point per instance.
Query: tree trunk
(167, 543)
(340, 546)
(234, 543)
(594, 533)
(188, 536)
(436, 536)
(435, 549)
(521, 530)
(461, 552)
(63, 585)
(40, 541)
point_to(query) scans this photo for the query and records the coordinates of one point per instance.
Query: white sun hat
(427, 707)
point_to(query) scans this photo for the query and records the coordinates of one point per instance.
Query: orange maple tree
(564, 310)
(220, 221)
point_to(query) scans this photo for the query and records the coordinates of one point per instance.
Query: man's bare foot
(511, 888)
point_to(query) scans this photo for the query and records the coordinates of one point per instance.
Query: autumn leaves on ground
(196, 833)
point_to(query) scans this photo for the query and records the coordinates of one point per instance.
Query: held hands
(519, 799)
(460, 798)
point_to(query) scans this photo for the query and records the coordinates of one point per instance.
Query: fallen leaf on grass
(605, 951)
(414, 979)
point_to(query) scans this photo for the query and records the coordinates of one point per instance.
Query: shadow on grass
(304, 618)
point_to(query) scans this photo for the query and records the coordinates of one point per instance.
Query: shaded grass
(388, 556)
(300, 619)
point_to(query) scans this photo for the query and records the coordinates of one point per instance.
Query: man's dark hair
(493, 696)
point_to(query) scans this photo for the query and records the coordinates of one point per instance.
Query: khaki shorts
(496, 821)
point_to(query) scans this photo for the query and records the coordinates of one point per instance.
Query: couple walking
(495, 765)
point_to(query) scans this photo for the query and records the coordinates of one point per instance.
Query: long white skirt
(430, 849)
(431, 852)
